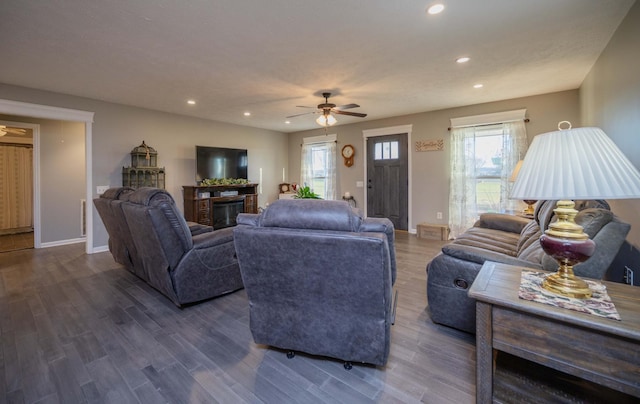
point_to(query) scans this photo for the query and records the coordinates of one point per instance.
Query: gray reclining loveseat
(512, 240)
(319, 279)
(150, 237)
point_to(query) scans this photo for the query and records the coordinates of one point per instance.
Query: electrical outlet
(101, 189)
(439, 215)
(628, 275)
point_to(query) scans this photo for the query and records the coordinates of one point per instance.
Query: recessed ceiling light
(478, 85)
(191, 102)
(247, 114)
(463, 59)
(287, 122)
(435, 9)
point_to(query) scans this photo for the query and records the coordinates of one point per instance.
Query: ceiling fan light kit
(326, 120)
(327, 110)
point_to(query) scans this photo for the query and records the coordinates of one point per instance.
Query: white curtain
(462, 193)
(306, 167)
(16, 187)
(330, 185)
(463, 210)
(514, 148)
(318, 167)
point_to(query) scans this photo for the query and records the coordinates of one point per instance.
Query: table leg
(484, 354)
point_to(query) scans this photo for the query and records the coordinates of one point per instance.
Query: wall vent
(83, 217)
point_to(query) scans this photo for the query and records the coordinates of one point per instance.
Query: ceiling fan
(13, 131)
(327, 108)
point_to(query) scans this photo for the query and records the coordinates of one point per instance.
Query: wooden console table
(199, 208)
(593, 348)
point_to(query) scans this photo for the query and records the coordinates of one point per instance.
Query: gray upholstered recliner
(319, 278)
(149, 236)
(512, 240)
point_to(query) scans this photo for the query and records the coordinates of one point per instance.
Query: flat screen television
(220, 162)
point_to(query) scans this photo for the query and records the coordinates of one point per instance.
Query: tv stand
(200, 203)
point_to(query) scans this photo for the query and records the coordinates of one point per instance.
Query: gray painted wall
(610, 99)
(430, 170)
(119, 128)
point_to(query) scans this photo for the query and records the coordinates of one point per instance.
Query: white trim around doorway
(392, 130)
(17, 108)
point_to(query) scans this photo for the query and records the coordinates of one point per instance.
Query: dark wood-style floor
(78, 328)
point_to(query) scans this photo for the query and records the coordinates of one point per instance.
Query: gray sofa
(319, 279)
(150, 238)
(512, 240)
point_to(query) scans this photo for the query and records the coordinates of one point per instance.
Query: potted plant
(306, 193)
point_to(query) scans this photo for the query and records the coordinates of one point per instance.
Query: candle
(282, 174)
(347, 195)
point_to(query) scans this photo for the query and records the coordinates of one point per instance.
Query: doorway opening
(24, 109)
(17, 192)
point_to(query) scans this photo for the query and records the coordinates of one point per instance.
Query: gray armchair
(515, 241)
(149, 236)
(319, 279)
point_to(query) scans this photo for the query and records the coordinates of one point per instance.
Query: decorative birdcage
(144, 156)
(144, 170)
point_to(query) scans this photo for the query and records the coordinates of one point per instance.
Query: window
(386, 150)
(318, 170)
(482, 159)
(486, 149)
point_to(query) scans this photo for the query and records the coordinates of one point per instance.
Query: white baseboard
(63, 242)
(99, 249)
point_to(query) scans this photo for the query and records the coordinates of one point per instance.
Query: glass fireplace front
(225, 213)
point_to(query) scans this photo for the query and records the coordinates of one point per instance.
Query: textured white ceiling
(267, 57)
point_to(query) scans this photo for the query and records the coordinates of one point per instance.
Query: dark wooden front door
(387, 179)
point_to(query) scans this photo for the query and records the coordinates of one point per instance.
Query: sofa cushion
(592, 220)
(530, 233)
(312, 214)
(532, 252)
(493, 240)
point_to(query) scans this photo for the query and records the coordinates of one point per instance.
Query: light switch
(359, 184)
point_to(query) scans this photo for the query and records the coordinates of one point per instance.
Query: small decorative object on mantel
(284, 188)
(144, 170)
(429, 145)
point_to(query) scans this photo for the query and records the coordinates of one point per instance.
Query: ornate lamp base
(530, 208)
(569, 245)
(570, 286)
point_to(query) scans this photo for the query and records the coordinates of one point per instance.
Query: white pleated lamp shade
(574, 164)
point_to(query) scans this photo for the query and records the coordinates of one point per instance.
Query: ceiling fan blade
(304, 113)
(303, 106)
(358, 114)
(348, 106)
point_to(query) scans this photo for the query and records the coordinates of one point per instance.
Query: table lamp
(567, 165)
(529, 211)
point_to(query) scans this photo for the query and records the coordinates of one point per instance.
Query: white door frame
(391, 130)
(10, 107)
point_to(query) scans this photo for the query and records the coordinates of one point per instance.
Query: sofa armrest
(214, 238)
(250, 219)
(502, 221)
(480, 255)
(197, 228)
